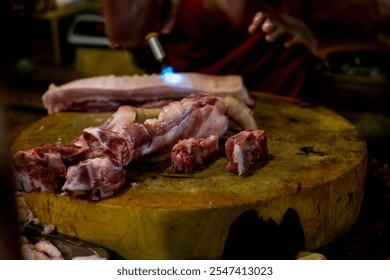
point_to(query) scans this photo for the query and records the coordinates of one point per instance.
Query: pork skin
(107, 93)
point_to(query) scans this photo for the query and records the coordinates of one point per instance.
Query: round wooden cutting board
(307, 194)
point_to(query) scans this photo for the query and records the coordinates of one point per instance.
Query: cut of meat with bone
(190, 153)
(107, 93)
(79, 148)
(39, 168)
(123, 116)
(244, 148)
(199, 115)
(101, 176)
(43, 166)
(95, 160)
(115, 143)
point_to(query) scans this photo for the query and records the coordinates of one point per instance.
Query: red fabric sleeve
(206, 41)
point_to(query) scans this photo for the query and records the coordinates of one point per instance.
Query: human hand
(262, 22)
(323, 26)
(331, 26)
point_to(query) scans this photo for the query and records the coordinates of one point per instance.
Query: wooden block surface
(314, 181)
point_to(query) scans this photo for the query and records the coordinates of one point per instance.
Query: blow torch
(158, 52)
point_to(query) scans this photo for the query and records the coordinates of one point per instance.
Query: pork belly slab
(107, 93)
(244, 148)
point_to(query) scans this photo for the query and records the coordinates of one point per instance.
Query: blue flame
(167, 70)
(170, 77)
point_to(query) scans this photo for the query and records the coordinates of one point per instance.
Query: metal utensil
(158, 52)
(70, 247)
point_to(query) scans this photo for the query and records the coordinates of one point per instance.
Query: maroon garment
(206, 41)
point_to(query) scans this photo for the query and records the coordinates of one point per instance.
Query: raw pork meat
(44, 166)
(94, 160)
(198, 116)
(244, 148)
(39, 168)
(102, 176)
(187, 154)
(107, 93)
(49, 249)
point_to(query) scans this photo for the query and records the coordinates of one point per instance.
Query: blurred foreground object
(8, 231)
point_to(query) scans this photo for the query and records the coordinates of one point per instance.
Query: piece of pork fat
(198, 116)
(244, 148)
(49, 249)
(190, 153)
(43, 166)
(107, 93)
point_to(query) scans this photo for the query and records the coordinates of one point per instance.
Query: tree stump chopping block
(307, 194)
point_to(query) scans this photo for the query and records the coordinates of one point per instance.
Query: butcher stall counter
(307, 194)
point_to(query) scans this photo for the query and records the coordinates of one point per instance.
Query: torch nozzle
(158, 52)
